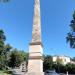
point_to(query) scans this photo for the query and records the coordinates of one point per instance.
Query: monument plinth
(35, 62)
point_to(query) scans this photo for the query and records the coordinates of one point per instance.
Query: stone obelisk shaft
(36, 32)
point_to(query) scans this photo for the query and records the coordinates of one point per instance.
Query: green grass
(2, 73)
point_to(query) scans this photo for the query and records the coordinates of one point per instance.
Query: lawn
(2, 73)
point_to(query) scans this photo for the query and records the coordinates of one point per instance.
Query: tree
(2, 40)
(7, 49)
(71, 35)
(4, 50)
(59, 68)
(70, 68)
(48, 62)
(16, 58)
(7, 57)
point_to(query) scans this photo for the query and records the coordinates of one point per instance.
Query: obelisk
(35, 62)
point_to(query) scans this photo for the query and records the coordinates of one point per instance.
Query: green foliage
(2, 39)
(70, 68)
(4, 50)
(10, 58)
(71, 35)
(16, 58)
(47, 62)
(58, 66)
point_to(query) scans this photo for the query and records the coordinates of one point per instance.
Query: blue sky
(16, 19)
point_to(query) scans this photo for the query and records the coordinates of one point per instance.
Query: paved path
(18, 72)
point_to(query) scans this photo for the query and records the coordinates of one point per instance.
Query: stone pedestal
(35, 73)
(35, 62)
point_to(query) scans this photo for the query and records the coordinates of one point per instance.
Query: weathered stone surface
(34, 73)
(35, 62)
(36, 32)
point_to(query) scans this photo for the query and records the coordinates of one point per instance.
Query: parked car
(51, 72)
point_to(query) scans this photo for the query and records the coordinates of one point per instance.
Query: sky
(16, 19)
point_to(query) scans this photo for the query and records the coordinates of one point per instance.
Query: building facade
(62, 59)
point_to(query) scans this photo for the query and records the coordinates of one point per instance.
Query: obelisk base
(35, 61)
(35, 73)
